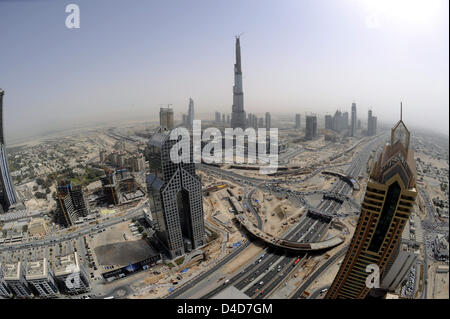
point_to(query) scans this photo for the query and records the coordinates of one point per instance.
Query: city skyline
(114, 183)
(294, 76)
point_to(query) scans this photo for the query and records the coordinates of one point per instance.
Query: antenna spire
(401, 110)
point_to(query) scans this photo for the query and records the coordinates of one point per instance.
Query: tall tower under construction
(72, 203)
(7, 191)
(389, 198)
(238, 113)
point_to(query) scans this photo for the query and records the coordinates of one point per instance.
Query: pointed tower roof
(400, 133)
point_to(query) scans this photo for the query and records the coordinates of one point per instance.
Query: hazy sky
(129, 57)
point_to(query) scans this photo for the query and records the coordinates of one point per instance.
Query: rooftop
(37, 269)
(66, 264)
(12, 271)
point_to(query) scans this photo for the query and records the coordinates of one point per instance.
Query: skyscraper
(353, 120)
(297, 120)
(345, 120)
(175, 198)
(238, 113)
(311, 127)
(371, 124)
(217, 117)
(268, 120)
(166, 117)
(337, 121)
(71, 202)
(190, 116)
(387, 204)
(328, 122)
(7, 191)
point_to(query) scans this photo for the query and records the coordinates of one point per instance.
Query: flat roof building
(14, 275)
(40, 278)
(70, 275)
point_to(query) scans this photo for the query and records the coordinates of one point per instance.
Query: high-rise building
(371, 124)
(175, 198)
(166, 117)
(268, 121)
(39, 277)
(387, 204)
(217, 117)
(345, 120)
(7, 192)
(311, 127)
(260, 122)
(70, 275)
(190, 116)
(14, 275)
(238, 113)
(328, 122)
(223, 119)
(353, 120)
(228, 118)
(337, 121)
(71, 203)
(297, 120)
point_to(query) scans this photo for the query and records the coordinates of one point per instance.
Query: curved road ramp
(288, 244)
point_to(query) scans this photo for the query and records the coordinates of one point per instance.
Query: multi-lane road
(259, 278)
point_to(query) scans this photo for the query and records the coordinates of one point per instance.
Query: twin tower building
(174, 189)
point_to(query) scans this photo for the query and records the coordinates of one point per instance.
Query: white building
(4, 290)
(15, 278)
(70, 275)
(39, 275)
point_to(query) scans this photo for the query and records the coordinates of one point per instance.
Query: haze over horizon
(297, 56)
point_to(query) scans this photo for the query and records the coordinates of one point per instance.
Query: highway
(308, 229)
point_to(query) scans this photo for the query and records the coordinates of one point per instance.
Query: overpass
(348, 179)
(284, 243)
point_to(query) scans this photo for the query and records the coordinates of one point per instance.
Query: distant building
(311, 127)
(40, 278)
(345, 120)
(166, 117)
(238, 113)
(328, 122)
(70, 275)
(191, 115)
(175, 198)
(217, 117)
(260, 122)
(14, 276)
(385, 210)
(297, 121)
(371, 124)
(353, 120)
(71, 202)
(228, 119)
(268, 120)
